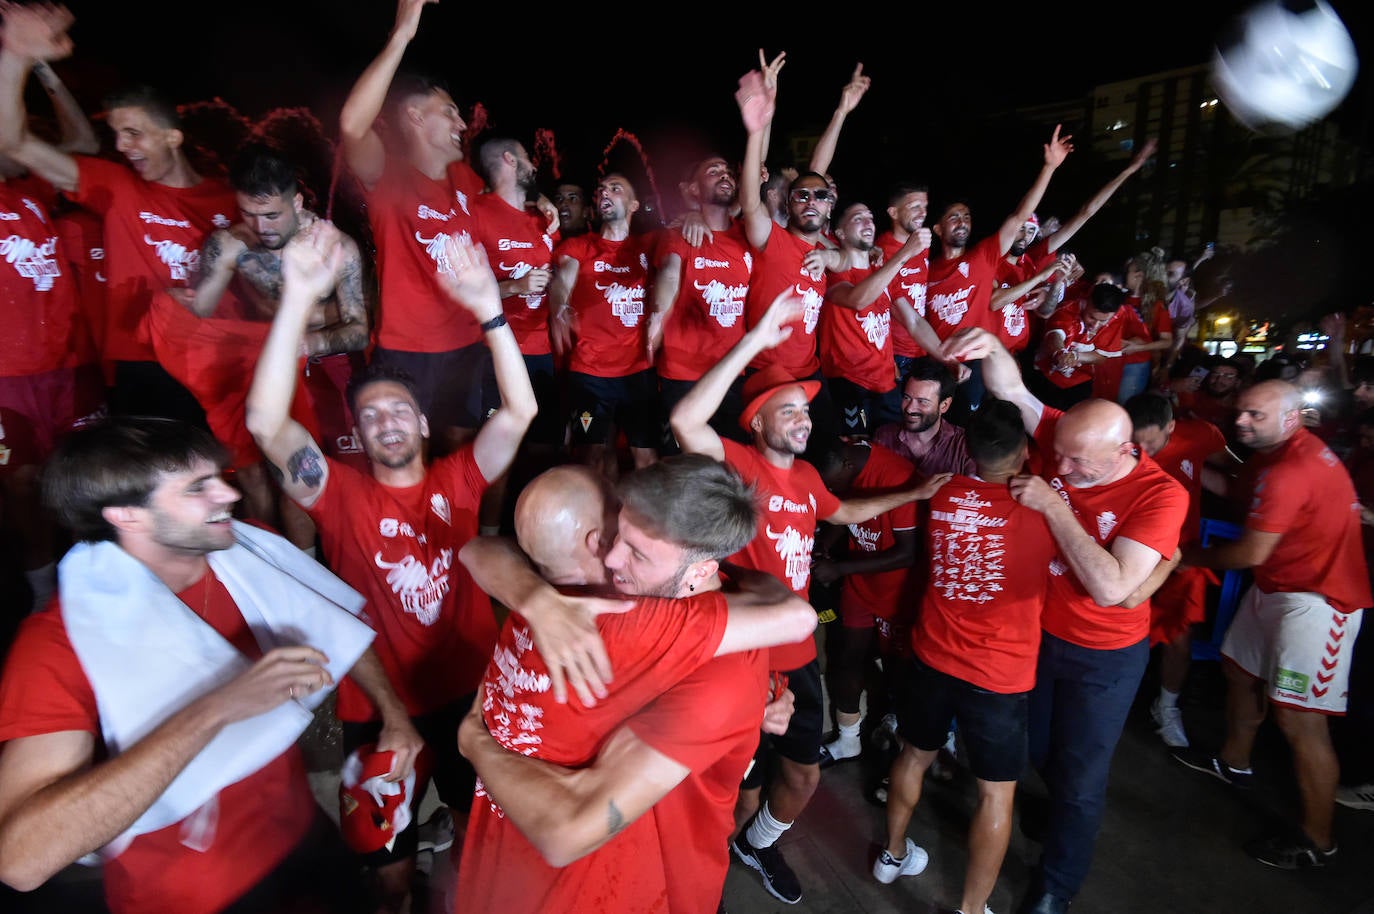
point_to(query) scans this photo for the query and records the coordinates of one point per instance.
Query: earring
(692, 588)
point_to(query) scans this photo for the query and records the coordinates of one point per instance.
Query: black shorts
(453, 776)
(549, 427)
(725, 422)
(802, 741)
(629, 403)
(857, 407)
(992, 725)
(457, 389)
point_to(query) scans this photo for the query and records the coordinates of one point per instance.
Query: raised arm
(866, 507)
(861, 294)
(1056, 151)
(56, 806)
(1001, 374)
(219, 258)
(362, 146)
(1001, 298)
(77, 133)
(757, 101)
(691, 418)
(469, 281)
(308, 265)
(351, 332)
(1099, 200)
(32, 33)
(850, 97)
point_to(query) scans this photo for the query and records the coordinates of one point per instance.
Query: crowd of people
(530, 498)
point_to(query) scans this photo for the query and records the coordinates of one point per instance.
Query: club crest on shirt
(1187, 467)
(1106, 522)
(963, 268)
(439, 504)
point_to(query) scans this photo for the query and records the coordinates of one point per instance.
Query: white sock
(765, 829)
(42, 581)
(849, 732)
(1168, 699)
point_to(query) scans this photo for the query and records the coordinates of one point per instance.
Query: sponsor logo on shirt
(32, 261)
(704, 263)
(951, 307)
(967, 518)
(155, 219)
(875, 326)
(10, 217)
(180, 262)
(779, 503)
(508, 244)
(348, 444)
(601, 266)
(97, 253)
(426, 212)
(420, 588)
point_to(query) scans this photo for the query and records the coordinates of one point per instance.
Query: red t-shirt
(857, 345)
(989, 571)
(909, 283)
(959, 290)
(516, 243)
(1302, 491)
(1182, 457)
(778, 266)
(883, 592)
(261, 818)
(153, 235)
(83, 244)
(399, 548)
(1079, 337)
(1136, 328)
(1012, 323)
(708, 722)
(651, 649)
(411, 217)
(1146, 506)
(707, 319)
(37, 289)
(791, 502)
(608, 299)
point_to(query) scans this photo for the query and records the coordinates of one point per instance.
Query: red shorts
(36, 410)
(1180, 602)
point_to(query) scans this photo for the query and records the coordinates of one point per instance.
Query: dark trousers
(1077, 711)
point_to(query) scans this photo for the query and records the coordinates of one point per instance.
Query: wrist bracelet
(497, 321)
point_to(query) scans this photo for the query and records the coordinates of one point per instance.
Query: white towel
(147, 655)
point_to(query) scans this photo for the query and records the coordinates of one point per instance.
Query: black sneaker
(1290, 852)
(778, 877)
(1210, 764)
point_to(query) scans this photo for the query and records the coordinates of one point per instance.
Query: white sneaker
(436, 833)
(840, 749)
(986, 910)
(1169, 722)
(1360, 797)
(887, 868)
(884, 736)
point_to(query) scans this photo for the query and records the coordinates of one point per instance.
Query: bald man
(1115, 516)
(661, 754)
(1293, 637)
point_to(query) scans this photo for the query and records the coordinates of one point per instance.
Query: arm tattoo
(306, 467)
(263, 271)
(209, 259)
(615, 819)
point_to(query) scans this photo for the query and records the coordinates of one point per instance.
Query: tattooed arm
(351, 332)
(309, 263)
(218, 261)
(567, 813)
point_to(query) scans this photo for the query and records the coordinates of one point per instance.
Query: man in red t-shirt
(1290, 645)
(418, 198)
(670, 735)
(777, 416)
(975, 642)
(151, 713)
(855, 338)
(394, 534)
(697, 294)
(1191, 451)
(1115, 516)
(597, 300)
(961, 280)
(156, 211)
(911, 333)
(1082, 335)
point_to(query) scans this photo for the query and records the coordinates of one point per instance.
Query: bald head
(1092, 444)
(564, 521)
(1268, 414)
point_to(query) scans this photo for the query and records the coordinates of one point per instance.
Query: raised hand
(37, 31)
(1143, 155)
(408, 18)
(468, 279)
(1058, 148)
(757, 101)
(854, 90)
(312, 258)
(967, 344)
(771, 69)
(932, 485)
(772, 329)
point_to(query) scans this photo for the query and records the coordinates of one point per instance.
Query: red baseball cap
(765, 382)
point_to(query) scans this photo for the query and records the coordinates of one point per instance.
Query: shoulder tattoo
(306, 467)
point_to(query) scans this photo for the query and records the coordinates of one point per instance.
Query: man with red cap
(777, 417)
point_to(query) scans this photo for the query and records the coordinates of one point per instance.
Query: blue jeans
(1077, 711)
(1135, 378)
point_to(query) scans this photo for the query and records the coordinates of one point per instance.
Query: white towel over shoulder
(147, 655)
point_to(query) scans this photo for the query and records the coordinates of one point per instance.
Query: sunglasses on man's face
(805, 195)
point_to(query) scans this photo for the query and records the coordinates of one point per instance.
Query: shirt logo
(420, 588)
(1106, 522)
(1187, 467)
(155, 219)
(627, 302)
(425, 212)
(180, 262)
(439, 505)
(951, 307)
(795, 551)
(963, 268)
(32, 261)
(876, 326)
(724, 303)
(434, 247)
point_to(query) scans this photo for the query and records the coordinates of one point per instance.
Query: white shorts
(1298, 644)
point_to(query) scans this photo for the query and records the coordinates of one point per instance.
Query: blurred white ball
(1285, 65)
